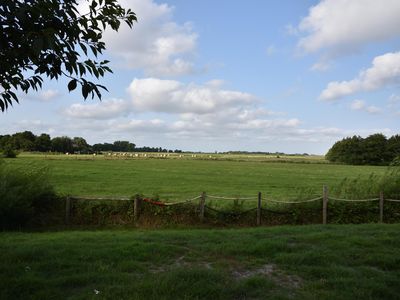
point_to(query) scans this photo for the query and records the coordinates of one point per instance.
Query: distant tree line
(376, 149)
(27, 141)
(266, 153)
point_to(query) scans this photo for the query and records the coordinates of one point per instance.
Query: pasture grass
(179, 178)
(303, 262)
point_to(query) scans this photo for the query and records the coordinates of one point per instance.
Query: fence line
(181, 202)
(231, 198)
(101, 198)
(203, 207)
(275, 211)
(231, 212)
(354, 200)
(295, 202)
(392, 200)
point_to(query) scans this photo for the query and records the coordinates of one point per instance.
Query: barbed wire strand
(101, 198)
(353, 200)
(181, 202)
(294, 202)
(392, 200)
(231, 198)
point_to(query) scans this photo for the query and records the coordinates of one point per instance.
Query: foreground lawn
(177, 179)
(304, 262)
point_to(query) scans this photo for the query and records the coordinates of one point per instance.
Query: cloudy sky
(256, 75)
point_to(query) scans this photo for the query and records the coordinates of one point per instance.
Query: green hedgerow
(25, 195)
(8, 152)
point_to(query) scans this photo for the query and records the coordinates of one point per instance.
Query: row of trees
(27, 141)
(376, 149)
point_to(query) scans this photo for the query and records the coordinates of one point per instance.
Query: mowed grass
(304, 262)
(176, 179)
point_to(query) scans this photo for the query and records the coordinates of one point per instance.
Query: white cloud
(156, 44)
(172, 109)
(193, 116)
(357, 105)
(360, 105)
(343, 26)
(385, 71)
(155, 95)
(100, 110)
(332, 134)
(321, 66)
(41, 95)
(170, 96)
(48, 95)
(34, 125)
(153, 125)
(216, 83)
(373, 109)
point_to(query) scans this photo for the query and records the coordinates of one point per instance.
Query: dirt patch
(181, 263)
(271, 271)
(238, 272)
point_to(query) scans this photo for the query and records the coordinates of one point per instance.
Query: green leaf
(84, 49)
(85, 90)
(72, 85)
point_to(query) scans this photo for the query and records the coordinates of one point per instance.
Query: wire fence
(231, 198)
(353, 200)
(296, 202)
(392, 200)
(199, 202)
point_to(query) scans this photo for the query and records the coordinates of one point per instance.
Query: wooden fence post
(381, 207)
(67, 210)
(202, 206)
(259, 209)
(324, 204)
(136, 208)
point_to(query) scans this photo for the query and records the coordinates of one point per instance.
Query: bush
(396, 161)
(364, 188)
(9, 153)
(25, 196)
(388, 183)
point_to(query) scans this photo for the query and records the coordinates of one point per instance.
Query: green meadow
(287, 262)
(177, 178)
(199, 261)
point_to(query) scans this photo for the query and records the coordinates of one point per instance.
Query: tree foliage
(51, 38)
(27, 141)
(62, 144)
(376, 149)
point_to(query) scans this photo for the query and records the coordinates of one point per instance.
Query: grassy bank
(304, 262)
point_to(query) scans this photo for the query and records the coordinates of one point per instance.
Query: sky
(289, 76)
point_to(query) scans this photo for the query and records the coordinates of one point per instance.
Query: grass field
(303, 262)
(177, 178)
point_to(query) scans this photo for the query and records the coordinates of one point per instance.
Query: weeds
(25, 196)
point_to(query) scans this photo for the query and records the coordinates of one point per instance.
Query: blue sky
(291, 76)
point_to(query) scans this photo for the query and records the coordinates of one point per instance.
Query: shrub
(396, 161)
(8, 152)
(388, 183)
(25, 196)
(364, 188)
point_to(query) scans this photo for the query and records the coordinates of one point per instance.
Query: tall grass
(25, 196)
(370, 187)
